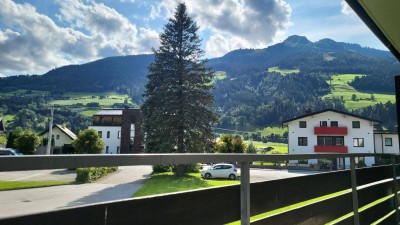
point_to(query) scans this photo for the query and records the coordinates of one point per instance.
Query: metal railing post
(395, 188)
(354, 190)
(245, 193)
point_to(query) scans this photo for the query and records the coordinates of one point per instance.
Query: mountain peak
(296, 40)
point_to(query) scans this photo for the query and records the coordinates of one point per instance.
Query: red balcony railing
(330, 130)
(331, 149)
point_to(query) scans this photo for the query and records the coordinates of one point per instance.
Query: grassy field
(219, 75)
(11, 185)
(282, 71)
(109, 98)
(341, 89)
(271, 130)
(89, 112)
(167, 182)
(280, 147)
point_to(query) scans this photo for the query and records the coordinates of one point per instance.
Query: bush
(177, 169)
(90, 174)
(162, 168)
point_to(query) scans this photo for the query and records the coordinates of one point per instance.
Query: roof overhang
(383, 18)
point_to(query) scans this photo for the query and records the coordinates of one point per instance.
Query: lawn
(283, 72)
(341, 89)
(11, 185)
(162, 183)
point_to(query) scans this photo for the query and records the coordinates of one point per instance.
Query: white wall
(380, 143)
(113, 141)
(365, 131)
(64, 139)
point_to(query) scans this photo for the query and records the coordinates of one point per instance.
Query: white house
(386, 142)
(62, 137)
(331, 131)
(119, 129)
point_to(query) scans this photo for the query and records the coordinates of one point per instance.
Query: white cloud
(155, 12)
(250, 24)
(34, 43)
(346, 9)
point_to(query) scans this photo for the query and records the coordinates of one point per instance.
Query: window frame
(336, 124)
(302, 124)
(357, 143)
(100, 133)
(356, 124)
(302, 141)
(323, 123)
(391, 141)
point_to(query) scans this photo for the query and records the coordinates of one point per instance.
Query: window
(388, 142)
(107, 149)
(303, 124)
(57, 136)
(101, 119)
(334, 124)
(117, 149)
(302, 141)
(330, 141)
(108, 134)
(356, 124)
(119, 134)
(100, 134)
(323, 123)
(358, 142)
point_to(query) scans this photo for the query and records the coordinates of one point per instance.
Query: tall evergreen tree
(178, 111)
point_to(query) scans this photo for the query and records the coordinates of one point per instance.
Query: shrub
(161, 168)
(90, 174)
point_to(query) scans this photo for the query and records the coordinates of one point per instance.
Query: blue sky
(40, 35)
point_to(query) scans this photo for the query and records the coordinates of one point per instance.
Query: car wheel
(207, 176)
(232, 177)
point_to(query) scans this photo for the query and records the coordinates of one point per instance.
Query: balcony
(331, 149)
(330, 130)
(357, 188)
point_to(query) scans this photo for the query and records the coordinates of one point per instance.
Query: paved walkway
(120, 185)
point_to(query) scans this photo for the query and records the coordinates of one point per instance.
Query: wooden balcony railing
(354, 188)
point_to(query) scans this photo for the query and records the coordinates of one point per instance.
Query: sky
(39, 35)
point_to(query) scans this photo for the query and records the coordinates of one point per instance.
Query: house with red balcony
(330, 131)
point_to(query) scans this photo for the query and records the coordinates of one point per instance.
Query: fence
(363, 196)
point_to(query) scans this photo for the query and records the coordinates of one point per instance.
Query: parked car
(9, 151)
(220, 170)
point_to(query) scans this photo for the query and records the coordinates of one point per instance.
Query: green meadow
(342, 90)
(282, 71)
(104, 99)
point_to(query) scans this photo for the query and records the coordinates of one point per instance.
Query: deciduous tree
(88, 142)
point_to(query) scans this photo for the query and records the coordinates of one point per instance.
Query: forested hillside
(248, 96)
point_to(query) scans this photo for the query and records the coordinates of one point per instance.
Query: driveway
(120, 185)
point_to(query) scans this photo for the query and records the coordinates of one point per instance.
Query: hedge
(90, 174)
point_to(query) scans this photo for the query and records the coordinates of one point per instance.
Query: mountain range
(249, 94)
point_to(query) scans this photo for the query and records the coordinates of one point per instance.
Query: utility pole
(50, 134)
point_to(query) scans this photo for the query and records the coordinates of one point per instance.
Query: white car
(220, 170)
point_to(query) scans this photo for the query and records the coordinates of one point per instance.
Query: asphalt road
(119, 185)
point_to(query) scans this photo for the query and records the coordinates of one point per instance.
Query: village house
(120, 130)
(62, 138)
(333, 131)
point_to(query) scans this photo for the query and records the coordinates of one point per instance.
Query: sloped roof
(65, 130)
(383, 18)
(109, 112)
(331, 110)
